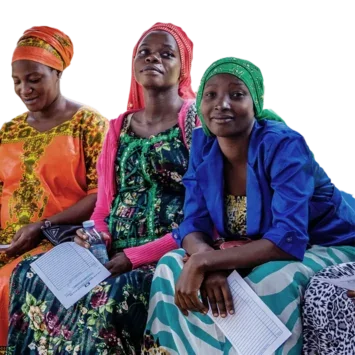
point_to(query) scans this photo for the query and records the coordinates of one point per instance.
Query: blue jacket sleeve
(290, 169)
(196, 214)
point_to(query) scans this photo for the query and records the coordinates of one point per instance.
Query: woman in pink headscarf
(140, 201)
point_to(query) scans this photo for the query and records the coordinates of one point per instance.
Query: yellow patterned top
(44, 173)
(236, 211)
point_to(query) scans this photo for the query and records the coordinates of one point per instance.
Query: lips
(30, 100)
(151, 68)
(222, 118)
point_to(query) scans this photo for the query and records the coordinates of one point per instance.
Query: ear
(59, 74)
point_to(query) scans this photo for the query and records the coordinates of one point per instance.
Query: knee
(172, 258)
(277, 277)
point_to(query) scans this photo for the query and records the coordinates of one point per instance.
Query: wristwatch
(46, 223)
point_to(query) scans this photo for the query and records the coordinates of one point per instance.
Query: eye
(209, 94)
(167, 55)
(142, 52)
(34, 81)
(237, 95)
(16, 82)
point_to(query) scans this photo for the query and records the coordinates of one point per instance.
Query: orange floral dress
(42, 174)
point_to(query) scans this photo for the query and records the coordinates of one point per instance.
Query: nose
(153, 58)
(25, 89)
(223, 103)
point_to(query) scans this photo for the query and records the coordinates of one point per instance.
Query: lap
(110, 316)
(280, 284)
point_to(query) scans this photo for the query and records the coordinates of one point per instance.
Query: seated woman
(36, 188)
(249, 176)
(329, 313)
(140, 200)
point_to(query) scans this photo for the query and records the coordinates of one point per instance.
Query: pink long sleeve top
(107, 189)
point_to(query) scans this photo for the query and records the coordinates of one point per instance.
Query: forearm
(247, 256)
(197, 242)
(150, 252)
(77, 213)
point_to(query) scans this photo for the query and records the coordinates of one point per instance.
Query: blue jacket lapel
(209, 174)
(210, 177)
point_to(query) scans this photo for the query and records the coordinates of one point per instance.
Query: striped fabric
(279, 284)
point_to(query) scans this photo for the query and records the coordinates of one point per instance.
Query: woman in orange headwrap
(36, 188)
(140, 201)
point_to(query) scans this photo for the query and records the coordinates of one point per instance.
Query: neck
(57, 106)
(235, 148)
(160, 105)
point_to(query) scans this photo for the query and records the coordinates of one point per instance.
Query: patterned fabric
(246, 71)
(150, 195)
(109, 320)
(236, 213)
(328, 314)
(45, 45)
(280, 284)
(35, 185)
(191, 122)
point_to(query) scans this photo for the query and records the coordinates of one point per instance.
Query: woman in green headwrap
(255, 182)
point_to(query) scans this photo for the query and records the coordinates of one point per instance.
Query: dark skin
(227, 108)
(157, 68)
(38, 86)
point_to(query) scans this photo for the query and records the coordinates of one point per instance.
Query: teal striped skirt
(280, 284)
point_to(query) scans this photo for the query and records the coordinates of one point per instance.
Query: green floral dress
(112, 317)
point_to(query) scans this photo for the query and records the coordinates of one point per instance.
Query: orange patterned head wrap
(45, 45)
(136, 99)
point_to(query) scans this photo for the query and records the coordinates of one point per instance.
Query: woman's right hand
(216, 293)
(351, 294)
(81, 238)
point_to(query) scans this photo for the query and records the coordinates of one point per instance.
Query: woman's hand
(351, 294)
(215, 291)
(119, 264)
(188, 285)
(26, 238)
(81, 238)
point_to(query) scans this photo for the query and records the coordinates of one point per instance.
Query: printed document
(70, 272)
(253, 329)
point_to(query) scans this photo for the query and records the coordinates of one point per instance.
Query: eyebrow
(164, 45)
(29, 74)
(240, 83)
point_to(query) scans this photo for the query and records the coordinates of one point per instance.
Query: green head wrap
(251, 77)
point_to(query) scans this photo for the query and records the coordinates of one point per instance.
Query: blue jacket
(290, 199)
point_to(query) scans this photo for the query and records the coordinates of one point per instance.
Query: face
(36, 84)
(227, 106)
(157, 63)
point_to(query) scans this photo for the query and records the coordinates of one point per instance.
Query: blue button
(289, 239)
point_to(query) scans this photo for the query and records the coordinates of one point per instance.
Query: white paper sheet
(347, 282)
(253, 329)
(4, 246)
(70, 272)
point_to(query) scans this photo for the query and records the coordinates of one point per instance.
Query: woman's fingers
(228, 299)
(220, 301)
(81, 239)
(213, 302)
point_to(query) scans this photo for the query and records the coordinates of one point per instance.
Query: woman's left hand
(188, 285)
(26, 238)
(119, 264)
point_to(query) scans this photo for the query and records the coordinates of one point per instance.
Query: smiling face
(227, 106)
(36, 84)
(157, 63)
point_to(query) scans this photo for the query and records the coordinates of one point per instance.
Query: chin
(36, 108)
(151, 82)
(221, 131)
